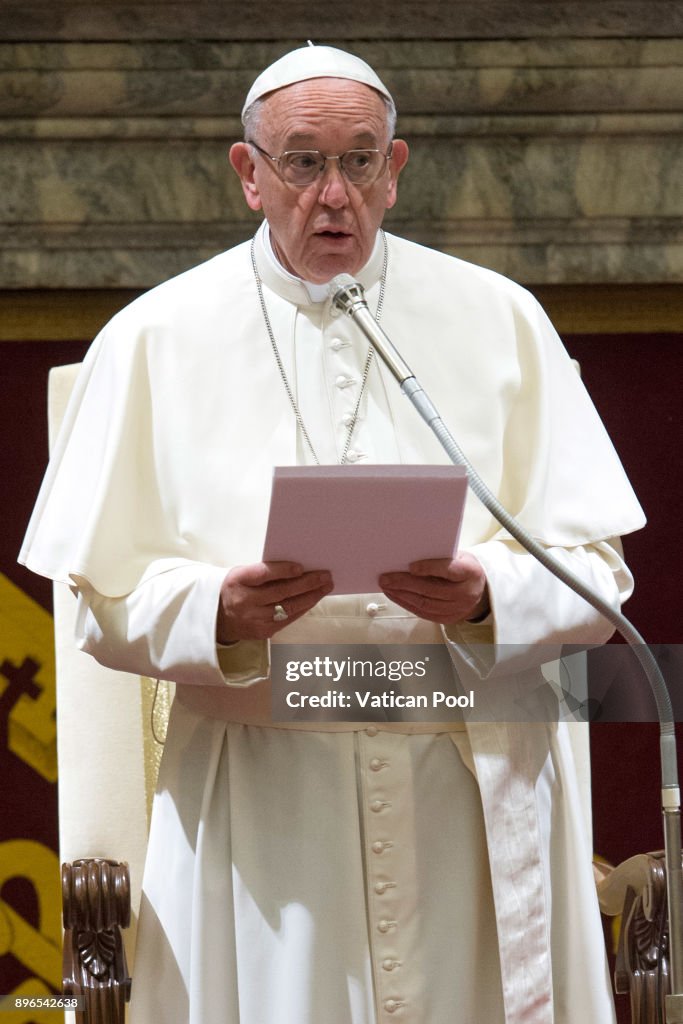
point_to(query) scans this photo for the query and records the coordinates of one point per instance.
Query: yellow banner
(27, 661)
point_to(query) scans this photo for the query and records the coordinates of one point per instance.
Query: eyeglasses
(304, 166)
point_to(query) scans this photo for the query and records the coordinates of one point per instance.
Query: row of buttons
(378, 804)
(343, 381)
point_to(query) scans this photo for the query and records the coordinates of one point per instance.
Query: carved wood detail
(96, 906)
(637, 890)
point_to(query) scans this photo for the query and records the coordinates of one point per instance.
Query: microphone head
(341, 281)
(346, 293)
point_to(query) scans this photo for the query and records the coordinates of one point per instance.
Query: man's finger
(425, 586)
(279, 590)
(259, 573)
(455, 569)
(421, 604)
(297, 606)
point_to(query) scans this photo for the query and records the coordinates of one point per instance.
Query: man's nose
(334, 188)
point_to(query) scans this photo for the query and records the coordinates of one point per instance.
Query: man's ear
(399, 158)
(242, 161)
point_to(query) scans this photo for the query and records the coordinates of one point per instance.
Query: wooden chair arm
(636, 889)
(96, 906)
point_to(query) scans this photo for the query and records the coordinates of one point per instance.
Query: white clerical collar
(316, 292)
(295, 289)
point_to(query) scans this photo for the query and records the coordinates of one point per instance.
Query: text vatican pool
(385, 699)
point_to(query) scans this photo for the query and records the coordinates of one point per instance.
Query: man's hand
(250, 593)
(441, 590)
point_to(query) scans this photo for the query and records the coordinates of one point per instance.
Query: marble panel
(153, 181)
(131, 80)
(94, 92)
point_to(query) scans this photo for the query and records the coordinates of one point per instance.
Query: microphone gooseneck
(348, 296)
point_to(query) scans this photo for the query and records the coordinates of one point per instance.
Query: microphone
(348, 296)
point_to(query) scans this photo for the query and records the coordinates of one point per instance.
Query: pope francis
(339, 873)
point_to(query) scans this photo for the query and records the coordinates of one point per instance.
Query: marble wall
(546, 138)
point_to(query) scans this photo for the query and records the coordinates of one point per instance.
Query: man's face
(327, 227)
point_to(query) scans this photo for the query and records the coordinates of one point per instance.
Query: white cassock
(346, 874)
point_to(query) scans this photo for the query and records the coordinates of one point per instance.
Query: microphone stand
(348, 296)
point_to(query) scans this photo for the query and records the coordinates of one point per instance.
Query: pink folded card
(360, 521)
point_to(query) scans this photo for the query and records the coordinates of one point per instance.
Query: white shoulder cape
(179, 415)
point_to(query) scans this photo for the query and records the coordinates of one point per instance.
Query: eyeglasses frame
(305, 184)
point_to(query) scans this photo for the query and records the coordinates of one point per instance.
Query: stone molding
(383, 19)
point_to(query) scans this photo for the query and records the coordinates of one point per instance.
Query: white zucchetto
(313, 62)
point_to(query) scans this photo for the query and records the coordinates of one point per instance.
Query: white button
(378, 847)
(339, 343)
(376, 765)
(391, 1005)
(353, 456)
(377, 806)
(381, 888)
(373, 608)
(371, 730)
(344, 382)
(388, 965)
(385, 926)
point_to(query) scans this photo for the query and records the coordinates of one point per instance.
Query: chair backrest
(108, 757)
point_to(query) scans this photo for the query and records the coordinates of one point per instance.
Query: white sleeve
(531, 608)
(166, 629)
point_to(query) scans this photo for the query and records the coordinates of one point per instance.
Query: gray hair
(252, 116)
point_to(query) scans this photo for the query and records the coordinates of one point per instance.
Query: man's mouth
(329, 233)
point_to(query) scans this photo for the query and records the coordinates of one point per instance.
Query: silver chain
(281, 368)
